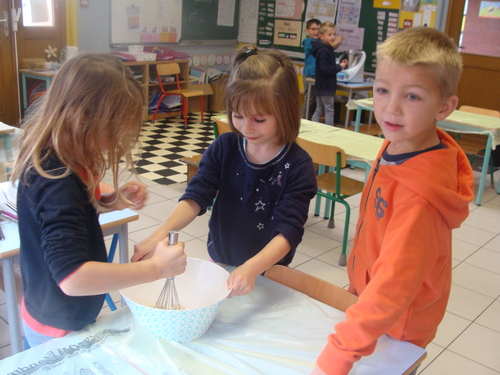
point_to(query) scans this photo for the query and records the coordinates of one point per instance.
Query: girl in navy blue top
(262, 179)
(88, 121)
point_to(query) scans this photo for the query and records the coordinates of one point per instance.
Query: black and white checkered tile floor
(164, 142)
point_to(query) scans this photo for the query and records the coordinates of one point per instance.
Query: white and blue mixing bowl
(201, 289)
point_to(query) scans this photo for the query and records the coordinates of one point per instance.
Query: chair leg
(343, 254)
(111, 255)
(184, 111)
(157, 107)
(326, 214)
(317, 207)
(201, 109)
(331, 221)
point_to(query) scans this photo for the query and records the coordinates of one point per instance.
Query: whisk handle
(173, 237)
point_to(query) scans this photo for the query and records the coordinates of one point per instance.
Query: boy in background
(326, 72)
(417, 192)
(309, 71)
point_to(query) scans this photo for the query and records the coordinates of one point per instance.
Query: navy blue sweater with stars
(255, 202)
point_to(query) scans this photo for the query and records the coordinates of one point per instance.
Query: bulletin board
(364, 24)
(173, 21)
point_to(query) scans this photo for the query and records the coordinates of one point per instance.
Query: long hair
(265, 83)
(90, 119)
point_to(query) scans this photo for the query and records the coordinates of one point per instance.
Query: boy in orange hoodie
(416, 193)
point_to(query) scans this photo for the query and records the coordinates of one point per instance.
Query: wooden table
(460, 122)
(274, 330)
(115, 222)
(351, 88)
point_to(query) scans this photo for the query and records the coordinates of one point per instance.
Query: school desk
(350, 87)
(42, 75)
(274, 330)
(458, 122)
(115, 222)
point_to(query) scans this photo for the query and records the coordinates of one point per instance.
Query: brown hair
(93, 99)
(265, 82)
(425, 46)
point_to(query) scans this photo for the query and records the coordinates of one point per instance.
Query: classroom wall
(94, 33)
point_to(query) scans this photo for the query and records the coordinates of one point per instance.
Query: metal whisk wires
(168, 299)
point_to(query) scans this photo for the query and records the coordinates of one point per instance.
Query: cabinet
(145, 72)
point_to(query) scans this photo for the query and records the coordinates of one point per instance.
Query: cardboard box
(216, 101)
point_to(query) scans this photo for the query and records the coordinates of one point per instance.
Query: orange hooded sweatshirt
(400, 265)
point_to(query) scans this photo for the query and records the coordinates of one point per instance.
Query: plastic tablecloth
(273, 330)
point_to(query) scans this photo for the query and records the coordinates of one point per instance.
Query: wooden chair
(220, 127)
(173, 69)
(474, 144)
(313, 287)
(332, 185)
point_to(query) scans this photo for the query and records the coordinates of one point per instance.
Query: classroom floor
(468, 337)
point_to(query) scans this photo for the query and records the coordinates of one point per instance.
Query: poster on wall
(289, 9)
(324, 10)
(136, 23)
(348, 14)
(489, 9)
(265, 24)
(287, 33)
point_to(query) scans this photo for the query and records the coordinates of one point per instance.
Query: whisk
(168, 299)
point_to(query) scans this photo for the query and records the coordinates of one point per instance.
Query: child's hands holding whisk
(170, 260)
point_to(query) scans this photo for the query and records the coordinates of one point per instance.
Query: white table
(350, 87)
(111, 223)
(360, 149)
(459, 122)
(274, 330)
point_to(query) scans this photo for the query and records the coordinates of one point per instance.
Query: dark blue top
(255, 202)
(326, 69)
(309, 60)
(59, 231)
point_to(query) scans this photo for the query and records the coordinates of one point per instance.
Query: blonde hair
(93, 100)
(325, 26)
(425, 46)
(265, 82)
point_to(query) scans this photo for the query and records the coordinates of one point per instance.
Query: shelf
(143, 71)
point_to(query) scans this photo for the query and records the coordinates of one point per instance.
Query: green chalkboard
(200, 21)
(376, 22)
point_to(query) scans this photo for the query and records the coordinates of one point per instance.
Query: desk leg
(25, 93)
(12, 309)
(358, 119)
(484, 172)
(123, 242)
(308, 99)
(347, 111)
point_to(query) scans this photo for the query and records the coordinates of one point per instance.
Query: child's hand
(145, 249)
(344, 63)
(171, 260)
(241, 281)
(136, 193)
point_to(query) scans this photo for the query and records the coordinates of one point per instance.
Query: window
(38, 13)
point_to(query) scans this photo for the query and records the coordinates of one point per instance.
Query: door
(9, 98)
(480, 82)
(30, 42)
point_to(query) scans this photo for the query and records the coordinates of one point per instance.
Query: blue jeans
(32, 338)
(325, 106)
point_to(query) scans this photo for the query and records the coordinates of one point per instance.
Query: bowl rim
(226, 292)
